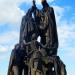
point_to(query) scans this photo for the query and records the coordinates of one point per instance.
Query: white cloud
(8, 40)
(71, 71)
(3, 49)
(9, 11)
(66, 33)
(9, 37)
(67, 45)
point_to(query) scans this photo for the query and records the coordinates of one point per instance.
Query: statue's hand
(38, 43)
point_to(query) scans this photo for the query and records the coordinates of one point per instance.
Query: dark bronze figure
(31, 57)
(47, 28)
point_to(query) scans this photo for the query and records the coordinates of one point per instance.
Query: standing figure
(47, 28)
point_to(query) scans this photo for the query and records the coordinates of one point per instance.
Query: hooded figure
(47, 28)
(28, 27)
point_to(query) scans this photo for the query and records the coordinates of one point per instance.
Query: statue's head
(43, 1)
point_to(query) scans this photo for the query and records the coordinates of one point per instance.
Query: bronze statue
(31, 57)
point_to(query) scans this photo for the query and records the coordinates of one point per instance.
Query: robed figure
(47, 29)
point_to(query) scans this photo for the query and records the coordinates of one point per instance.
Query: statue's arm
(55, 35)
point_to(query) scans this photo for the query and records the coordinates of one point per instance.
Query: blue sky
(11, 13)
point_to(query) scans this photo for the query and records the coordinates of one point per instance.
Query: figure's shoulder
(51, 8)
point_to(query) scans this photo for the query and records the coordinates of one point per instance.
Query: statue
(31, 57)
(47, 28)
